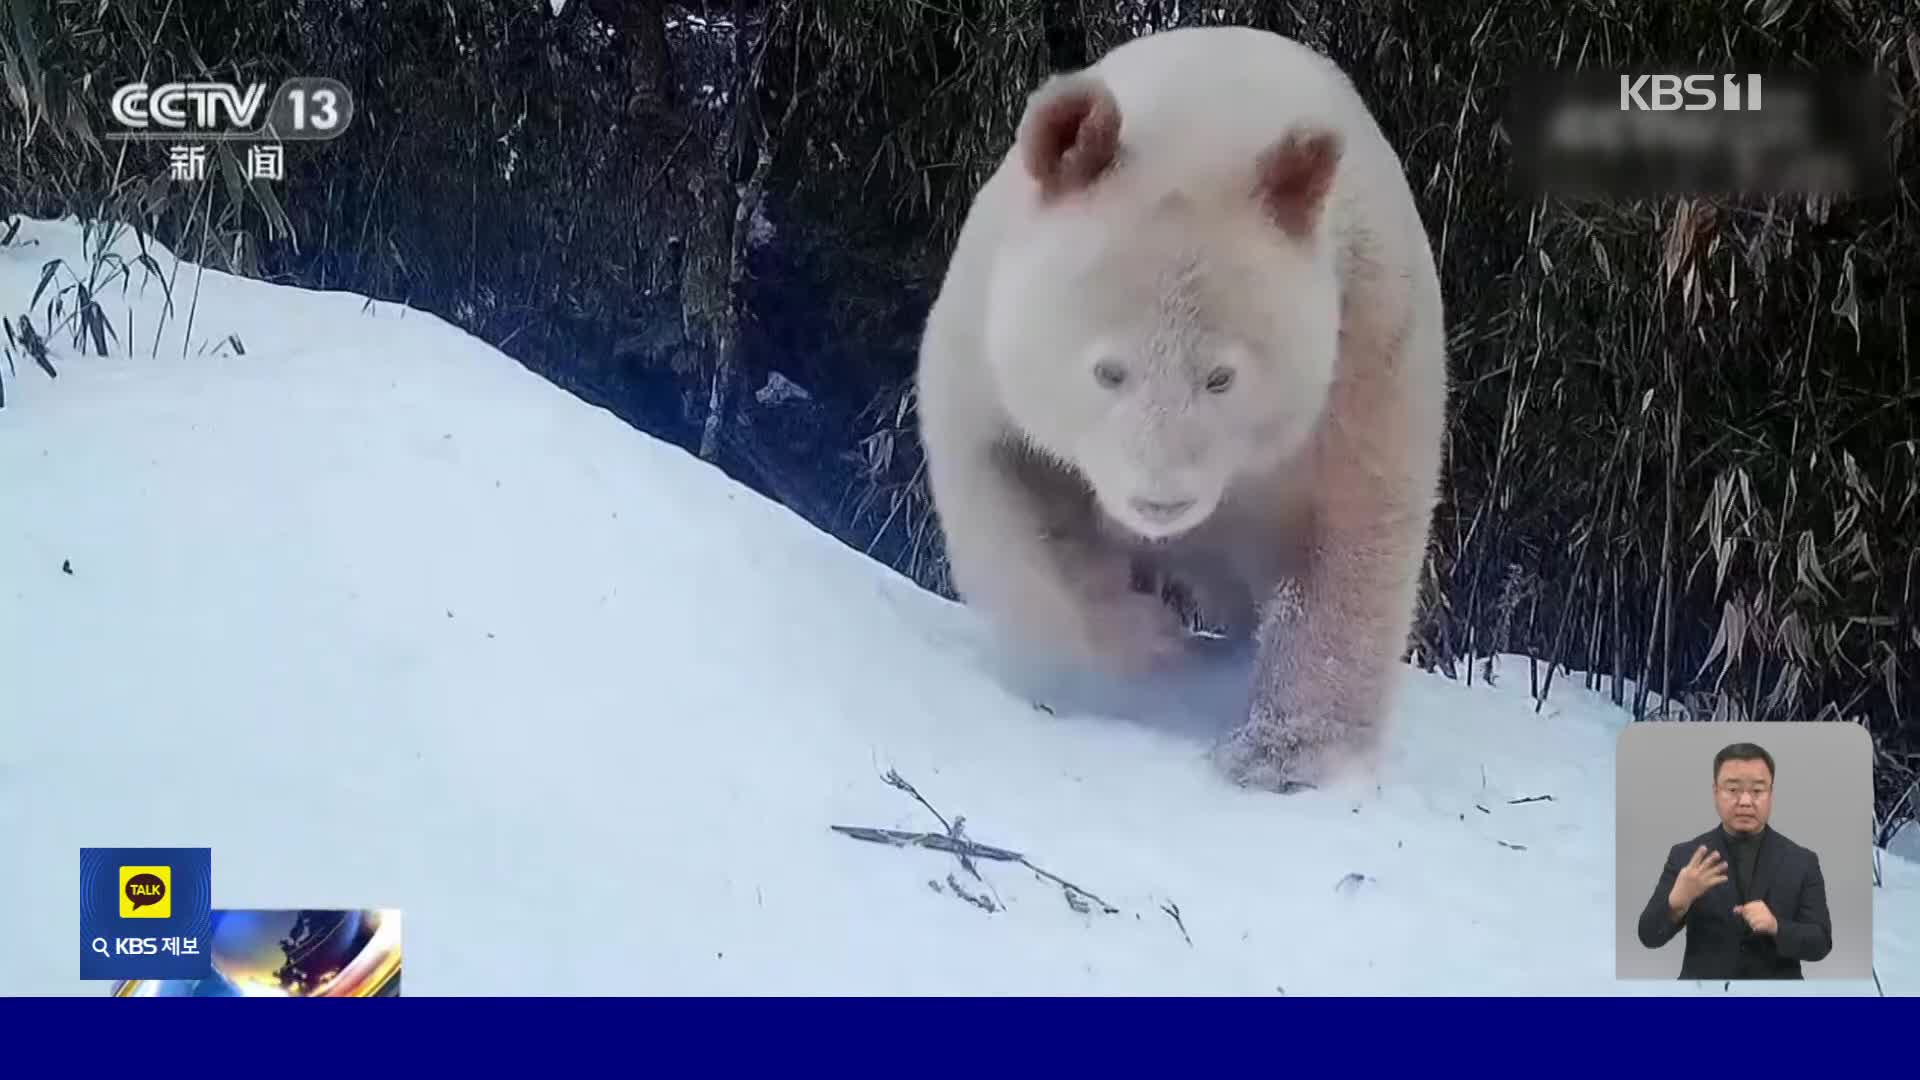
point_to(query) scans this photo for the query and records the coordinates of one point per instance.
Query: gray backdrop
(1822, 800)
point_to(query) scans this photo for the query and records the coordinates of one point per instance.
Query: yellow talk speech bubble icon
(146, 892)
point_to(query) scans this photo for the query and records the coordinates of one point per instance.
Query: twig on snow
(1070, 887)
(935, 841)
(1351, 883)
(955, 843)
(895, 780)
(1173, 910)
(984, 903)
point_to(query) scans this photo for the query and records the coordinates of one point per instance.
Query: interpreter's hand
(1702, 872)
(1759, 916)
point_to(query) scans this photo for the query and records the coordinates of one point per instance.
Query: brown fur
(1197, 338)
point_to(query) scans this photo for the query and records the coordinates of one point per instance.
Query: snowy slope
(386, 620)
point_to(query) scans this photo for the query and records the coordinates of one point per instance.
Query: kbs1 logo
(305, 109)
(1654, 134)
(1666, 93)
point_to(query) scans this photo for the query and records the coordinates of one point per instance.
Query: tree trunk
(711, 286)
(726, 369)
(718, 398)
(640, 36)
(728, 311)
(1065, 27)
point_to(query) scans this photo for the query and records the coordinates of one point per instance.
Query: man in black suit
(1770, 914)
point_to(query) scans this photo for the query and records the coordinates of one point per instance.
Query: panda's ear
(1293, 177)
(1070, 135)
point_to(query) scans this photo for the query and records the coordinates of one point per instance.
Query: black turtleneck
(1745, 852)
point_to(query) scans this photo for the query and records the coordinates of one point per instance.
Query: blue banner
(933, 1038)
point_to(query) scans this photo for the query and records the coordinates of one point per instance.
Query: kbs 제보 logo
(146, 913)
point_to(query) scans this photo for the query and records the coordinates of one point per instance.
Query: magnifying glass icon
(100, 946)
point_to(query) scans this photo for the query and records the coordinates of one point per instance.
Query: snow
(1905, 841)
(388, 621)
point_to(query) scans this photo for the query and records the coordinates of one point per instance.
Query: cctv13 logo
(146, 913)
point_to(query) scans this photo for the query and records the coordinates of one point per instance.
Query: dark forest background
(1685, 432)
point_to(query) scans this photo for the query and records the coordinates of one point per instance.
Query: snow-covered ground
(388, 621)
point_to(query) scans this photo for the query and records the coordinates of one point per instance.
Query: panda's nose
(1161, 509)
